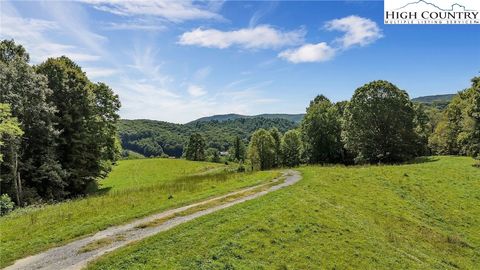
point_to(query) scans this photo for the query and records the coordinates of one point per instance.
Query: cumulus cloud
(174, 11)
(309, 53)
(196, 91)
(259, 37)
(358, 31)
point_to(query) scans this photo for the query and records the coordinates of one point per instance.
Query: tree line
(58, 130)
(157, 138)
(379, 124)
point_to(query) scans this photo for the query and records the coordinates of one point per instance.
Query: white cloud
(135, 25)
(202, 73)
(358, 31)
(260, 37)
(174, 11)
(320, 52)
(96, 72)
(196, 91)
(33, 35)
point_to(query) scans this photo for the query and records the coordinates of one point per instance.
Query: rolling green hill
(437, 101)
(297, 118)
(434, 98)
(152, 138)
(135, 188)
(416, 216)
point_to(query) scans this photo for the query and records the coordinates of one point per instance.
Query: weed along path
(77, 254)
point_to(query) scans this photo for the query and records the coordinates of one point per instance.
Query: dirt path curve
(74, 256)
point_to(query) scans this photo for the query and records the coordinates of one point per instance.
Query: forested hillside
(153, 138)
(297, 118)
(436, 101)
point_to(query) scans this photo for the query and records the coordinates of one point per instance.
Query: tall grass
(31, 230)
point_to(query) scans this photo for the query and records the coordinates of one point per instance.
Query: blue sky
(179, 60)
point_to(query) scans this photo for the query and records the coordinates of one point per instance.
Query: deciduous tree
(379, 124)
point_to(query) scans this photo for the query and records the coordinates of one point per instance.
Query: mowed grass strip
(211, 204)
(417, 216)
(32, 230)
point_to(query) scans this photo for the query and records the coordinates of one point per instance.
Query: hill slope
(435, 98)
(373, 217)
(297, 118)
(152, 138)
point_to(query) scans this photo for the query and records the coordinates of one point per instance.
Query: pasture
(134, 189)
(424, 215)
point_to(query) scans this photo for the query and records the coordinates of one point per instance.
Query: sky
(177, 61)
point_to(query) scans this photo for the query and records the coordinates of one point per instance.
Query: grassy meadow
(424, 215)
(135, 188)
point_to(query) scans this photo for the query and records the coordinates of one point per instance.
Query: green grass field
(417, 216)
(135, 188)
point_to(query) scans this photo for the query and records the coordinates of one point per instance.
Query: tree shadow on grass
(102, 191)
(420, 160)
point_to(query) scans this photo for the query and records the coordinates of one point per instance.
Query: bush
(6, 204)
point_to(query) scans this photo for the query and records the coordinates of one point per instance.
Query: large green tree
(379, 124)
(321, 131)
(34, 167)
(292, 148)
(238, 149)
(86, 115)
(458, 133)
(261, 150)
(9, 126)
(195, 148)
(277, 146)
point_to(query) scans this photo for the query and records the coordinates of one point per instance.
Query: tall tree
(321, 130)
(238, 149)
(458, 133)
(195, 148)
(379, 124)
(261, 150)
(277, 146)
(86, 115)
(423, 129)
(35, 167)
(9, 126)
(292, 148)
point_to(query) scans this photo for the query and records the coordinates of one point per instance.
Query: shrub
(6, 204)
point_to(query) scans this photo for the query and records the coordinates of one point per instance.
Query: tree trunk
(14, 160)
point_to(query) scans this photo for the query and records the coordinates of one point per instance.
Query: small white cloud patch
(358, 31)
(196, 91)
(260, 37)
(320, 52)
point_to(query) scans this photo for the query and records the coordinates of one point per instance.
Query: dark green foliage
(69, 127)
(196, 148)
(292, 148)
(6, 204)
(296, 118)
(423, 128)
(321, 131)
(277, 146)
(31, 167)
(86, 115)
(458, 132)
(172, 138)
(213, 155)
(238, 149)
(261, 150)
(379, 124)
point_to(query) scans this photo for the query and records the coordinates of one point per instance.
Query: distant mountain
(437, 101)
(435, 98)
(296, 118)
(152, 138)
